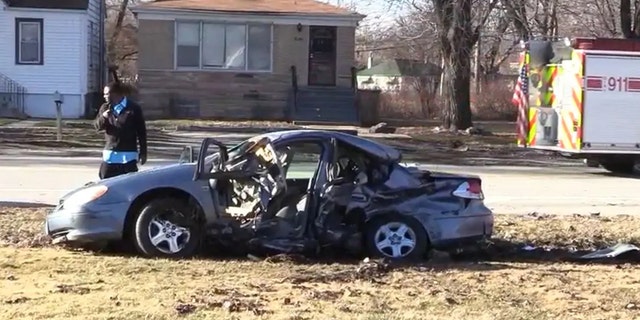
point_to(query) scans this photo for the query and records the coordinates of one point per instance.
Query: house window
(242, 47)
(29, 48)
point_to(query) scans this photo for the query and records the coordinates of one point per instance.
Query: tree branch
(127, 55)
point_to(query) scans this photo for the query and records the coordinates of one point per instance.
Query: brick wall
(165, 92)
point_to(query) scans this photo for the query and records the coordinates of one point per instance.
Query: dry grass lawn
(5, 121)
(39, 281)
(495, 146)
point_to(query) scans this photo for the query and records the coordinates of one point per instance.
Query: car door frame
(319, 178)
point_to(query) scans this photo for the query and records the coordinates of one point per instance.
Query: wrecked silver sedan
(297, 191)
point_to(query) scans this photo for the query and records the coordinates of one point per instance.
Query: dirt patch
(44, 138)
(23, 227)
(175, 124)
(46, 282)
(493, 144)
(78, 141)
(496, 148)
(548, 238)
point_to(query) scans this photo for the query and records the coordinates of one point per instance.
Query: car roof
(378, 150)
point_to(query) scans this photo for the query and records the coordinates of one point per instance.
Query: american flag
(521, 100)
(521, 91)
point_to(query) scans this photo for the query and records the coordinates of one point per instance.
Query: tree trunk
(457, 38)
(457, 78)
(629, 21)
(111, 51)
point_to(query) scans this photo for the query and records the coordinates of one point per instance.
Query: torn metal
(611, 252)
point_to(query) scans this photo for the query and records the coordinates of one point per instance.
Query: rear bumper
(85, 225)
(467, 228)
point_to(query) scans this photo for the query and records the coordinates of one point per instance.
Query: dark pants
(108, 170)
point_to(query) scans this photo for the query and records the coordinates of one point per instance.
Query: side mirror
(187, 154)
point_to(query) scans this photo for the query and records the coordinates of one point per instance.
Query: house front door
(322, 56)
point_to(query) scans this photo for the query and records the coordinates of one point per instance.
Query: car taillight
(470, 189)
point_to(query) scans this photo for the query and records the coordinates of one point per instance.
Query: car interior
(278, 203)
(291, 214)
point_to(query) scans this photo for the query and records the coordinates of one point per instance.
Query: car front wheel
(168, 228)
(397, 238)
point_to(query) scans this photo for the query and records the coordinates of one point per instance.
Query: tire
(619, 167)
(178, 216)
(415, 231)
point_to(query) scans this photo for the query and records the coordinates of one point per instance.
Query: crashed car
(293, 191)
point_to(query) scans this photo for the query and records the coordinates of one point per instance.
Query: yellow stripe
(532, 126)
(577, 88)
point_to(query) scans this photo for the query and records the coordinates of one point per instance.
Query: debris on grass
(185, 308)
(16, 300)
(287, 258)
(229, 300)
(368, 270)
(526, 249)
(65, 288)
(382, 127)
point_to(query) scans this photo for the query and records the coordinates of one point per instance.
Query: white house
(398, 74)
(48, 46)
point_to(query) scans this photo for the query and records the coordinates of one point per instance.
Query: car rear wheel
(167, 227)
(396, 238)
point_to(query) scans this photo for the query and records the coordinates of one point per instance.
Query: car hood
(166, 173)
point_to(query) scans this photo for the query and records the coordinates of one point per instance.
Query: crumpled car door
(270, 176)
(257, 164)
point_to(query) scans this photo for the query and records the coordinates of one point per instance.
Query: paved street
(508, 189)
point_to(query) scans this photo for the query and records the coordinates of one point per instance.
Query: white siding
(611, 111)
(379, 83)
(64, 67)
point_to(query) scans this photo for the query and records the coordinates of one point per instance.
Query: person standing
(123, 124)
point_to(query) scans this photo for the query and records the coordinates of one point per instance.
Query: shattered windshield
(236, 151)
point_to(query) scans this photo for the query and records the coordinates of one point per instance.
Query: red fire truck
(581, 98)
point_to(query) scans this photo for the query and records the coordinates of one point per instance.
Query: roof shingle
(253, 6)
(49, 4)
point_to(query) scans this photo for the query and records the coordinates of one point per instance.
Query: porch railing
(294, 91)
(12, 94)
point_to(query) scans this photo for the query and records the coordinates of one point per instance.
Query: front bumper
(86, 224)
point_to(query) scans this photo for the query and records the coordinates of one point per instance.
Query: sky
(378, 12)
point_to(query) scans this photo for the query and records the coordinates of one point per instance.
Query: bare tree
(497, 43)
(121, 37)
(630, 19)
(602, 19)
(458, 32)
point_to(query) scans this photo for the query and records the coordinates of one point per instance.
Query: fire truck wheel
(620, 167)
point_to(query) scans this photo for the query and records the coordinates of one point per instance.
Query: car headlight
(85, 195)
